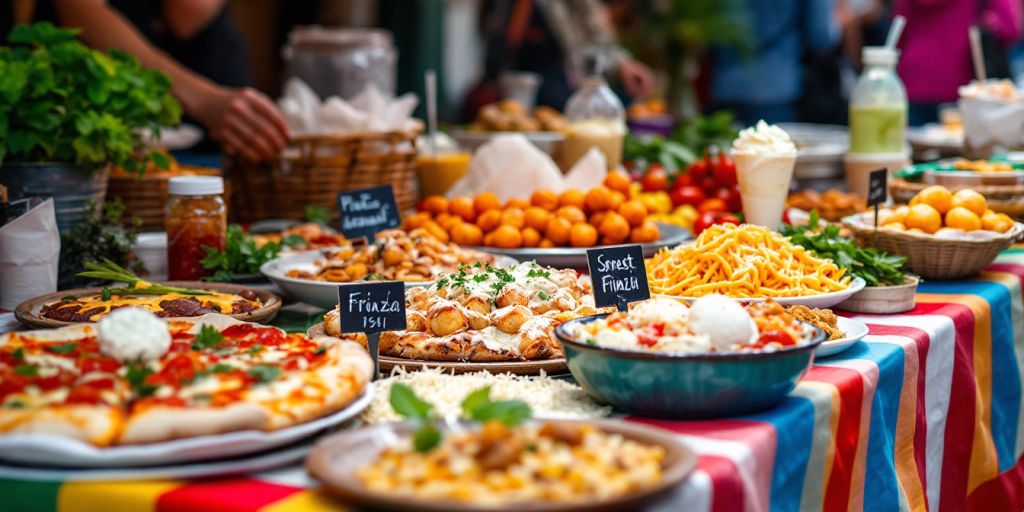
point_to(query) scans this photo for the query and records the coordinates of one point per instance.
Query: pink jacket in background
(936, 52)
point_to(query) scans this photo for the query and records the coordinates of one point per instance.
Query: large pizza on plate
(483, 313)
(136, 378)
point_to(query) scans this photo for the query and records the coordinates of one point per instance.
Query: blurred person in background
(768, 83)
(551, 38)
(197, 44)
(935, 49)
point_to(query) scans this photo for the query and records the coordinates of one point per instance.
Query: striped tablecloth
(926, 414)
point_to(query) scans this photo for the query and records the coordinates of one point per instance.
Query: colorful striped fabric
(926, 414)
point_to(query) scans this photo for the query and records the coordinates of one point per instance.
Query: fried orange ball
(537, 217)
(435, 204)
(507, 237)
(614, 227)
(467, 234)
(557, 230)
(597, 218)
(489, 220)
(572, 197)
(546, 244)
(571, 213)
(936, 196)
(436, 230)
(463, 207)
(634, 212)
(924, 217)
(486, 201)
(960, 217)
(617, 199)
(489, 239)
(517, 202)
(545, 199)
(416, 220)
(513, 217)
(646, 232)
(598, 199)
(531, 237)
(618, 181)
(448, 222)
(582, 235)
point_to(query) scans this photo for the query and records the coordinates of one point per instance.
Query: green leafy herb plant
(877, 268)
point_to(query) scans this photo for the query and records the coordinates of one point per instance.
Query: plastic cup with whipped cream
(764, 156)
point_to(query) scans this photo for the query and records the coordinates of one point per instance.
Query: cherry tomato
(687, 195)
(713, 204)
(785, 217)
(727, 218)
(708, 185)
(655, 179)
(731, 196)
(775, 336)
(683, 179)
(698, 170)
(704, 221)
(725, 170)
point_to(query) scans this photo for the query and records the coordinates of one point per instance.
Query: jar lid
(880, 56)
(195, 185)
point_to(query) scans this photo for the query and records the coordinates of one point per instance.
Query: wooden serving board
(28, 312)
(387, 363)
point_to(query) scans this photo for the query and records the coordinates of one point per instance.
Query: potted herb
(68, 112)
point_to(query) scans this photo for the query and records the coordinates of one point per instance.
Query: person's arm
(243, 120)
(185, 18)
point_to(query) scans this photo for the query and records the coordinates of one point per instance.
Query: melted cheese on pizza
(224, 302)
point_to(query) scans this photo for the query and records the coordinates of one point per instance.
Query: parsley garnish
(217, 368)
(64, 349)
(543, 295)
(26, 370)
(479, 278)
(875, 267)
(264, 373)
(208, 337)
(19, 354)
(538, 272)
(105, 294)
(136, 374)
(69, 297)
(255, 349)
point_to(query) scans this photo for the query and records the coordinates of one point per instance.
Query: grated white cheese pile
(548, 397)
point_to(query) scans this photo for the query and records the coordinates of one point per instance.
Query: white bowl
(855, 330)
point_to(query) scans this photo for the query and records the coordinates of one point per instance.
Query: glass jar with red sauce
(195, 216)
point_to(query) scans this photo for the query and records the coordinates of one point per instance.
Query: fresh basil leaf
(475, 400)
(26, 370)
(426, 438)
(19, 354)
(208, 337)
(405, 402)
(255, 349)
(136, 373)
(63, 349)
(509, 412)
(69, 297)
(264, 373)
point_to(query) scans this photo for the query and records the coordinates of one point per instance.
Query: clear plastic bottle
(878, 104)
(594, 118)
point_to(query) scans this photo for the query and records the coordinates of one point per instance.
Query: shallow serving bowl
(685, 386)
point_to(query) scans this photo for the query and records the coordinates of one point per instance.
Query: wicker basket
(314, 168)
(1001, 198)
(935, 258)
(145, 196)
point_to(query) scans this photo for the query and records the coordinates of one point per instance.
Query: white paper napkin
(29, 253)
(370, 110)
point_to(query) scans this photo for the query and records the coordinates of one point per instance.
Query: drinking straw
(895, 30)
(431, 77)
(977, 55)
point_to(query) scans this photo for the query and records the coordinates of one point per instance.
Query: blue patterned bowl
(685, 386)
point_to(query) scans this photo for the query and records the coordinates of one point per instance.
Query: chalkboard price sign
(372, 308)
(878, 188)
(368, 211)
(619, 275)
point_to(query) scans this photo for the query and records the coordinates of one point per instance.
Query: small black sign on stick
(368, 211)
(878, 189)
(619, 275)
(372, 308)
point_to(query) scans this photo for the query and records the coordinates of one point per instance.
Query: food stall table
(926, 412)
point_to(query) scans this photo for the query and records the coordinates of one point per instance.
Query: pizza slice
(59, 382)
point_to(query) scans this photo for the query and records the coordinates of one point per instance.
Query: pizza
(483, 313)
(303, 237)
(92, 307)
(416, 256)
(135, 378)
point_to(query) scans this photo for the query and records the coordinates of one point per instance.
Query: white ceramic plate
(855, 330)
(825, 300)
(320, 293)
(264, 461)
(49, 449)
